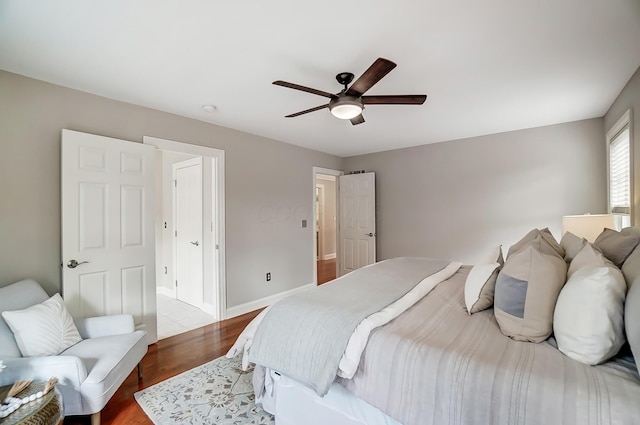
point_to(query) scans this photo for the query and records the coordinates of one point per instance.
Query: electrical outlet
(269, 277)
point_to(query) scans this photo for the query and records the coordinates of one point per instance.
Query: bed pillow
(481, 282)
(616, 246)
(526, 292)
(43, 329)
(572, 245)
(631, 271)
(545, 235)
(588, 322)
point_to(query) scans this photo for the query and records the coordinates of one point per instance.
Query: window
(619, 154)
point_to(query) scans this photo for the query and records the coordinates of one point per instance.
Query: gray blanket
(436, 365)
(325, 318)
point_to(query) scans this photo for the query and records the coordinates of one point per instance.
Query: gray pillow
(526, 292)
(572, 245)
(543, 237)
(631, 272)
(616, 246)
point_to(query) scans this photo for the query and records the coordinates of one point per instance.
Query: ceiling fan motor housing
(345, 107)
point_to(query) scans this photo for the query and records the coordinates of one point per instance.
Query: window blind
(620, 174)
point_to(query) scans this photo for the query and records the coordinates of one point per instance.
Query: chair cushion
(109, 360)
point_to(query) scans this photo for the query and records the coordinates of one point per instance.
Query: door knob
(370, 234)
(195, 243)
(72, 264)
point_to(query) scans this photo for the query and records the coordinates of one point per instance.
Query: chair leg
(139, 371)
(95, 419)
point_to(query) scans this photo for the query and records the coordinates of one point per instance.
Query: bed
(434, 363)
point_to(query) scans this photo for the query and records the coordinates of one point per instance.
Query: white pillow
(481, 282)
(588, 321)
(43, 329)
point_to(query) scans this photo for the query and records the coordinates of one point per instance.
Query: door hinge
(176, 283)
(175, 183)
(176, 233)
(217, 246)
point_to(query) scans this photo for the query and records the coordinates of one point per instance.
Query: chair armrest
(69, 370)
(94, 327)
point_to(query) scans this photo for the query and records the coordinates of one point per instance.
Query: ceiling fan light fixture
(346, 108)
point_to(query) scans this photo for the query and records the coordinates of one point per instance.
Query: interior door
(357, 233)
(108, 237)
(189, 242)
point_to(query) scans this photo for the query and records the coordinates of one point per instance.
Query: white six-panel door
(108, 228)
(189, 236)
(357, 233)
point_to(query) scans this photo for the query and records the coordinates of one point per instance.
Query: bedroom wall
(268, 186)
(460, 198)
(629, 98)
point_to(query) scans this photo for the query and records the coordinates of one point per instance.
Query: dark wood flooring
(167, 358)
(326, 270)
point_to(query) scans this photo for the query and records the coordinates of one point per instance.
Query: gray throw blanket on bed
(325, 317)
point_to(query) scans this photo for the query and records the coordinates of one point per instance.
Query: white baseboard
(163, 290)
(209, 309)
(263, 302)
(329, 256)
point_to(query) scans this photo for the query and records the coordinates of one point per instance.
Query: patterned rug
(218, 392)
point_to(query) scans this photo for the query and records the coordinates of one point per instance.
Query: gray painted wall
(460, 198)
(268, 186)
(629, 98)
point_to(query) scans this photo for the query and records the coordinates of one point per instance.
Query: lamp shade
(588, 226)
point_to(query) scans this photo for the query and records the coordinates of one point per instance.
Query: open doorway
(190, 283)
(325, 224)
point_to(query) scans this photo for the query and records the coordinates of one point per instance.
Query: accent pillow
(616, 246)
(631, 271)
(43, 329)
(572, 245)
(526, 292)
(481, 282)
(545, 235)
(588, 322)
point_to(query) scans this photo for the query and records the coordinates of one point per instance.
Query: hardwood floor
(326, 270)
(167, 358)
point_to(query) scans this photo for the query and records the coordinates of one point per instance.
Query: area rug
(218, 392)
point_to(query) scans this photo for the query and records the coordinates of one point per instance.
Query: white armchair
(89, 372)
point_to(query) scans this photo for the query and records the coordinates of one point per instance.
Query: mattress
(293, 404)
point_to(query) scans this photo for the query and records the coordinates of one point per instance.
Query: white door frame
(330, 172)
(216, 281)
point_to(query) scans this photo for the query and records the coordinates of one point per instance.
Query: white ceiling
(487, 66)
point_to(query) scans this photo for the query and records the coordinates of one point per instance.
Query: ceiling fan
(349, 103)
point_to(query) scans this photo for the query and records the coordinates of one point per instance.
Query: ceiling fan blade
(405, 99)
(303, 88)
(357, 120)
(317, 108)
(376, 71)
